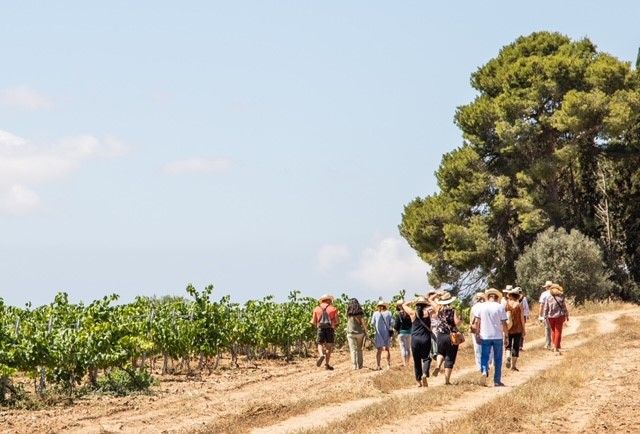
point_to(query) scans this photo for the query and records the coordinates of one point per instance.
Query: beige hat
(327, 297)
(508, 288)
(420, 300)
(479, 295)
(399, 302)
(382, 303)
(446, 298)
(517, 291)
(556, 289)
(547, 284)
(493, 291)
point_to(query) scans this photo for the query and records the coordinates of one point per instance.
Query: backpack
(325, 321)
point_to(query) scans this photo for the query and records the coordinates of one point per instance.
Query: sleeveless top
(421, 329)
(516, 318)
(354, 325)
(446, 323)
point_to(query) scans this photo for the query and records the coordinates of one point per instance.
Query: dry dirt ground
(276, 397)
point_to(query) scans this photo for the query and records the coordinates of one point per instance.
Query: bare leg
(388, 357)
(327, 353)
(447, 375)
(378, 358)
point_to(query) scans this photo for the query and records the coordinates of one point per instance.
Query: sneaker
(425, 382)
(499, 384)
(508, 363)
(328, 368)
(320, 360)
(436, 371)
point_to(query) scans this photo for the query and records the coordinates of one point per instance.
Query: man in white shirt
(543, 297)
(492, 330)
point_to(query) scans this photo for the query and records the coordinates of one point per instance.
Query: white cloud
(24, 97)
(330, 255)
(198, 165)
(18, 200)
(390, 264)
(24, 164)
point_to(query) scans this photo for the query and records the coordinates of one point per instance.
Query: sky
(259, 146)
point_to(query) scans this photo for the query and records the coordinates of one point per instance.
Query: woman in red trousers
(555, 311)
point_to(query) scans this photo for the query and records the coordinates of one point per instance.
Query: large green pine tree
(551, 139)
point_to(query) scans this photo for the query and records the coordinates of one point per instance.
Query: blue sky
(259, 146)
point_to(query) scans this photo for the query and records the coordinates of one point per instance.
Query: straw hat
(420, 300)
(381, 302)
(326, 297)
(479, 296)
(547, 284)
(508, 289)
(493, 291)
(556, 289)
(517, 291)
(400, 302)
(446, 298)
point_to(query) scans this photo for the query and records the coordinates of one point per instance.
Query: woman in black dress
(420, 338)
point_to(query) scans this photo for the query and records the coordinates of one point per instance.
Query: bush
(122, 382)
(571, 259)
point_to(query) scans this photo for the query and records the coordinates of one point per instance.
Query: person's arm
(456, 319)
(545, 309)
(336, 318)
(314, 321)
(524, 329)
(541, 308)
(409, 310)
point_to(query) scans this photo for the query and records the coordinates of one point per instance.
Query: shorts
(447, 350)
(326, 335)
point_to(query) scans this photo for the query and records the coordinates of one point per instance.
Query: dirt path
(331, 413)
(590, 411)
(275, 388)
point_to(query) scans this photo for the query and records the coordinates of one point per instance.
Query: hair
(420, 308)
(354, 308)
(513, 296)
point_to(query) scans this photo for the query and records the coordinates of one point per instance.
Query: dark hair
(354, 308)
(420, 308)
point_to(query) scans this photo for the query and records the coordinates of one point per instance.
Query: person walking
(491, 321)
(524, 301)
(382, 324)
(517, 330)
(402, 326)
(555, 312)
(478, 299)
(448, 324)
(356, 332)
(547, 329)
(420, 338)
(326, 319)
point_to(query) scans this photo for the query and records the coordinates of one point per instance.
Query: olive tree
(571, 259)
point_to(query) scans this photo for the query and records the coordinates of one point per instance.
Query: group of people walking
(428, 330)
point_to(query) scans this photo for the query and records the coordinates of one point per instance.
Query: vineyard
(102, 344)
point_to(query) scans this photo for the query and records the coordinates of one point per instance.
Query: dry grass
(551, 390)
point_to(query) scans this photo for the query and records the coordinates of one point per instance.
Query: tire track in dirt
(603, 387)
(469, 402)
(335, 412)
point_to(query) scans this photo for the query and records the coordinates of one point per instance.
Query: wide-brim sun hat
(446, 298)
(326, 297)
(556, 289)
(420, 300)
(547, 284)
(400, 302)
(508, 289)
(382, 303)
(492, 291)
(479, 295)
